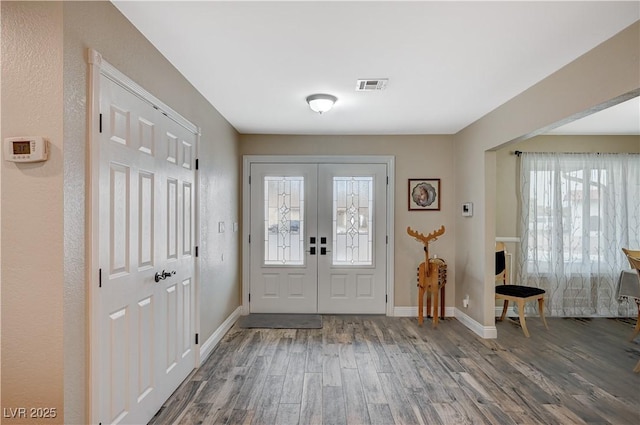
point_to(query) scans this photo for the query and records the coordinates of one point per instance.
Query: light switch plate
(467, 209)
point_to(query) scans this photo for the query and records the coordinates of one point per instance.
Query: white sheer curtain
(578, 211)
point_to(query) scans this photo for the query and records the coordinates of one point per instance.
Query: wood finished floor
(387, 370)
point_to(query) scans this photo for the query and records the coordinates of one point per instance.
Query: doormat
(281, 321)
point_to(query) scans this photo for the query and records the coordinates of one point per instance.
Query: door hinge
(100, 123)
(249, 238)
(387, 240)
(387, 179)
(249, 297)
(386, 298)
(249, 178)
(196, 339)
(196, 251)
(197, 164)
(99, 278)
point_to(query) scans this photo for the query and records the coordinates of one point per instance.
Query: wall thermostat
(26, 149)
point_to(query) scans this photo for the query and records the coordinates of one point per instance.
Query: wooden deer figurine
(432, 276)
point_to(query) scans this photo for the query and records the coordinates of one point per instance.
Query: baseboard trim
(510, 312)
(486, 332)
(413, 311)
(207, 348)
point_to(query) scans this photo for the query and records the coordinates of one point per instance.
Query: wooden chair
(517, 293)
(634, 260)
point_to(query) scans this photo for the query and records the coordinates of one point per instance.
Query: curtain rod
(518, 153)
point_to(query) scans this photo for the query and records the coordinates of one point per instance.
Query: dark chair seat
(518, 291)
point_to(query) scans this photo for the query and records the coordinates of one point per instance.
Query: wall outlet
(465, 301)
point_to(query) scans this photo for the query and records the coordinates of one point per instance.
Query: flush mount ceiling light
(321, 102)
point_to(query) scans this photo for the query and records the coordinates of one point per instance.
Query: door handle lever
(162, 276)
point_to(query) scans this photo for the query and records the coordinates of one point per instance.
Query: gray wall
(32, 210)
(415, 157)
(44, 316)
(44, 297)
(609, 71)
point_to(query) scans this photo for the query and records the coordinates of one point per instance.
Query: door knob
(162, 276)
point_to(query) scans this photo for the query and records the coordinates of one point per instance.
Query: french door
(318, 238)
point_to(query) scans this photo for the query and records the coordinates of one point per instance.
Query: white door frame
(99, 67)
(247, 160)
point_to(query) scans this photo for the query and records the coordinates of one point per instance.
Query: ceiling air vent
(372, 85)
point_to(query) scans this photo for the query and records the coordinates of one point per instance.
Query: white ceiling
(621, 119)
(448, 62)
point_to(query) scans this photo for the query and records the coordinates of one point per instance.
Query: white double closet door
(145, 347)
(318, 238)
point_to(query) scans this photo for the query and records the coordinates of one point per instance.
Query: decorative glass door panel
(352, 218)
(284, 220)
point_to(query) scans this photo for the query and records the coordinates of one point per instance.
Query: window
(578, 211)
(574, 205)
